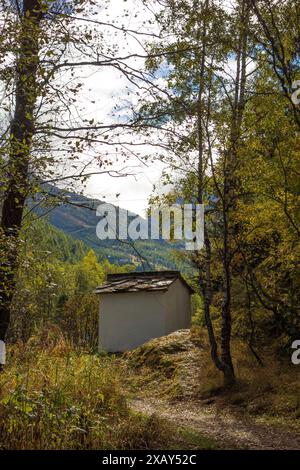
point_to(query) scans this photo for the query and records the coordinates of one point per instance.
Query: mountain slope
(75, 215)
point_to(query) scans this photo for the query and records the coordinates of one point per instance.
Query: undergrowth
(54, 397)
(179, 367)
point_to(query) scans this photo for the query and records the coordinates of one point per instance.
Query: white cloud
(103, 89)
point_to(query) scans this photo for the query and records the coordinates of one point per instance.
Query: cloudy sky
(104, 88)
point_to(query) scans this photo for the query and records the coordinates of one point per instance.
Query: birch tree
(204, 107)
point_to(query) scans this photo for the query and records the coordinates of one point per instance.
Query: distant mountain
(75, 215)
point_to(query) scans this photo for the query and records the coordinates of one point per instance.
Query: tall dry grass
(269, 392)
(52, 397)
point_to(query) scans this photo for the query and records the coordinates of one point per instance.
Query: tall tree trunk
(229, 194)
(205, 281)
(21, 134)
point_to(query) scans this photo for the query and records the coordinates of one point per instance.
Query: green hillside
(75, 215)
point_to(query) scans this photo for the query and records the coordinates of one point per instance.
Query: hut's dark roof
(141, 281)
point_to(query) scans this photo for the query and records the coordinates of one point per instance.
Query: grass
(178, 368)
(270, 393)
(196, 440)
(161, 366)
(52, 397)
(59, 400)
(55, 397)
(163, 435)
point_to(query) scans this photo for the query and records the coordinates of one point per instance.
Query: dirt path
(226, 429)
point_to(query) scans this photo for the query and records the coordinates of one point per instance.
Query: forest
(207, 92)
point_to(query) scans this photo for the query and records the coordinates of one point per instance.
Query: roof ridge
(136, 281)
(144, 273)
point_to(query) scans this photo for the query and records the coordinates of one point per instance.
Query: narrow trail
(228, 430)
(176, 362)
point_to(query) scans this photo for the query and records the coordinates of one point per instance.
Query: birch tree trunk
(229, 193)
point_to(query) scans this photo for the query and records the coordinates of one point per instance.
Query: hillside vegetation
(178, 368)
(164, 395)
(55, 397)
(74, 215)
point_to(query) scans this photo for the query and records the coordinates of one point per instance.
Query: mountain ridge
(75, 215)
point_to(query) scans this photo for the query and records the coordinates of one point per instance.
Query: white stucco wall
(128, 320)
(177, 307)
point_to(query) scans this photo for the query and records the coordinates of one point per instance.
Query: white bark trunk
(2, 353)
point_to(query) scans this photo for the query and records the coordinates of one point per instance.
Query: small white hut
(136, 307)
